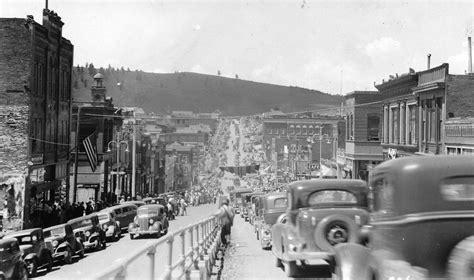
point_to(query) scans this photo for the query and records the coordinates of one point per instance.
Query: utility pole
(134, 151)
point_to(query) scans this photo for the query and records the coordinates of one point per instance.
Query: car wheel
(32, 266)
(104, 243)
(49, 261)
(333, 230)
(291, 269)
(132, 236)
(68, 256)
(461, 260)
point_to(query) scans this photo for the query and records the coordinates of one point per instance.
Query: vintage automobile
(245, 205)
(272, 206)
(124, 214)
(108, 222)
(150, 220)
(65, 244)
(236, 198)
(137, 203)
(422, 224)
(320, 214)
(12, 265)
(36, 252)
(257, 216)
(251, 206)
(89, 230)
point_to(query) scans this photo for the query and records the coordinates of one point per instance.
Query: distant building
(363, 133)
(400, 135)
(35, 104)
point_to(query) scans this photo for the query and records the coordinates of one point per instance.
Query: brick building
(363, 129)
(442, 97)
(35, 104)
(400, 116)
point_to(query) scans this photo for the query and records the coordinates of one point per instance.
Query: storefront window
(412, 131)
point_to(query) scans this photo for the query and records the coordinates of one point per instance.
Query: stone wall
(15, 67)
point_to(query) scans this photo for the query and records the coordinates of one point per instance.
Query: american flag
(91, 152)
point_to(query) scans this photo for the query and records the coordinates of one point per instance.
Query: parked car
(251, 206)
(244, 210)
(150, 220)
(65, 244)
(422, 224)
(272, 206)
(124, 214)
(12, 265)
(320, 214)
(109, 223)
(89, 230)
(36, 252)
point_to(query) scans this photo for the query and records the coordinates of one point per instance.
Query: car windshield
(331, 197)
(103, 217)
(25, 239)
(82, 223)
(147, 212)
(60, 231)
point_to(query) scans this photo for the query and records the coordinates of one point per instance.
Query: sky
(332, 46)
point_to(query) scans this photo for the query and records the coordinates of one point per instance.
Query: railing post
(151, 262)
(170, 258)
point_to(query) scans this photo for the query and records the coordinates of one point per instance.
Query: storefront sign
(37, 175)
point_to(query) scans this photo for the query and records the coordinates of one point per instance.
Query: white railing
(202, 240)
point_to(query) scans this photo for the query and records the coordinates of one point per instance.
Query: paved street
(95, 262)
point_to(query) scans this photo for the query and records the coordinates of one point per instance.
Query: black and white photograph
(236, 139)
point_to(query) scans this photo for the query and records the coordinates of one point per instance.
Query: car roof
(151, 206)
(23, 232)
(334, 184)
(117, 207)
(275, 195)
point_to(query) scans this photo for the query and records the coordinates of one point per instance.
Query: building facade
(35, 104)
(363, 129)
(400, 135)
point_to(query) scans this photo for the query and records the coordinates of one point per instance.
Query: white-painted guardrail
(199, 244)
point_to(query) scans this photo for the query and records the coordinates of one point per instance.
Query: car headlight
(88, 233)
(55, 243)
(151, 221)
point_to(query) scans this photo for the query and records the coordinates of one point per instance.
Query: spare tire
(335, 229)
(461, 260)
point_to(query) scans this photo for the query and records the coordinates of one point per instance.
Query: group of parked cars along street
(23, 253)
(414, 219)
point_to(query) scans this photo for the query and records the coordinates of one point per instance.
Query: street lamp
(117, 144)
(319, 136)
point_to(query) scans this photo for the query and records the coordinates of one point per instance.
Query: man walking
(226, 215)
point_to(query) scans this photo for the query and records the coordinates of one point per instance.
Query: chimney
(469, 47)
(429, 61)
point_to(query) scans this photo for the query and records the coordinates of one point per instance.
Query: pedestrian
(226, 215)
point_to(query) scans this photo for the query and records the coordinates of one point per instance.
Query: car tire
(291, 269)
(341, 223)
(49, 262)
(132, 236)
(32, 266)
(104, 243)
(68, 256)
(461, 260)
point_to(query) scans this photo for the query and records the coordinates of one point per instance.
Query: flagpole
(77, 155)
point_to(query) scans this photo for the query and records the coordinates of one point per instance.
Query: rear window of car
(458, 189)
(331, 197)
(280, 203)
(383, 197)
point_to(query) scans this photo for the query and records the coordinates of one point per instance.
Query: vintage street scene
(236, 139)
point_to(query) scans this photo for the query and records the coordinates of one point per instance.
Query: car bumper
(310, 257)
(88, 245)
(142, 232)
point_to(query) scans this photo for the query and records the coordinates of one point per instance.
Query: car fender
(63, 246)
(352, 261)
(30, 256)
(157, 225)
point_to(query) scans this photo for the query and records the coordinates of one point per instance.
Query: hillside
(161, 93)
